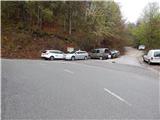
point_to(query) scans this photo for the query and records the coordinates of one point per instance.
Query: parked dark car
(114, 53)
(100, 53)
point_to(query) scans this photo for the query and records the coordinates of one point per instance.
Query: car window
(52, 51)
(97, 51)
(107, 51)
(93, 51)
(57, 52)
(72, 52)
(157, 54)
(60, 52)
(78, 52)
(82, 52)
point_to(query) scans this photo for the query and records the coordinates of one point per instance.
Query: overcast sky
(132, 9)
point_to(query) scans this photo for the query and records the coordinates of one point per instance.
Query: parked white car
(77, 55)
(53, 54)
(141, 47)
(153, 56)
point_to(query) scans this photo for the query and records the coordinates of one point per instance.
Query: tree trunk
(38, 21)
(64, 27)
(70, 25)
(70, 20)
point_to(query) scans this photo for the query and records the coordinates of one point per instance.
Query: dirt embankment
(22, 44)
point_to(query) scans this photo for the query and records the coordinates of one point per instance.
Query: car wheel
(85, 58)
(101, 58)
(144, 60)
(51, 58)
(149, 62)
(72, 58)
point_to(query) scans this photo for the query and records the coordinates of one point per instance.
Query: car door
(79, 55)
(107, 53)
(98, 54)
(82, 55)
(54, 54)
(76, 54)
(60, 54)
(93, 53)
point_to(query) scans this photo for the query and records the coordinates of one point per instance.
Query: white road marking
(118, 97)
(66, 70)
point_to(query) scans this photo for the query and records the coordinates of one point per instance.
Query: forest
(28, 27)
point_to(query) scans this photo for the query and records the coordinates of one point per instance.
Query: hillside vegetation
(29, 27)
(147, 29)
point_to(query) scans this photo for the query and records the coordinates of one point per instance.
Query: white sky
(132, 9)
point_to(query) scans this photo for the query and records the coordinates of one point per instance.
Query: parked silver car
(114, 53)
(141, 47)
(52, 54)
(100, 53)
(77, 55)
(153, 56)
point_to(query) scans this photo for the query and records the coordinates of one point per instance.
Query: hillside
(29, 27)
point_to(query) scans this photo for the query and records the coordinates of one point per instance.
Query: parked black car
(114, 53)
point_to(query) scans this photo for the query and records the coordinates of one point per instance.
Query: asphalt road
(37, 89)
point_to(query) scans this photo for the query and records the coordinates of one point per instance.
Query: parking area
(132, 57)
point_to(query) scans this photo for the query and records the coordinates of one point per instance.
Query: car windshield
(71, 52)
(93, 51)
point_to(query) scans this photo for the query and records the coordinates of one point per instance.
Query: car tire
(85, 58)
(72, 58)
(52, 58)
(144, 61)
(149, 62)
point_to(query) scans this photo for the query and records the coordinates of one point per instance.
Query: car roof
(79, 51)
(100, 48)
(155, 50)
(54, 50)
(141, 45)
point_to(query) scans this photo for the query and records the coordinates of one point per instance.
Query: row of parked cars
(99, 53)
